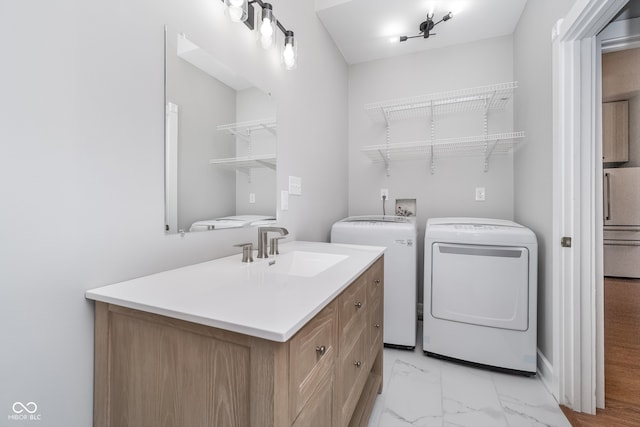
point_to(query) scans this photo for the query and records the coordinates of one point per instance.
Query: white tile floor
(424, 392)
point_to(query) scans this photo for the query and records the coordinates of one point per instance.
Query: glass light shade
(236, 10)
(289, 51)
(267, 27)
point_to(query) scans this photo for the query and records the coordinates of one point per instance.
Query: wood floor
(622, 358)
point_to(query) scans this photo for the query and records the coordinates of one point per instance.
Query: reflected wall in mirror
(220, 143)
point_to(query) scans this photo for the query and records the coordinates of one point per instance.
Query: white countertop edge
(268, 334)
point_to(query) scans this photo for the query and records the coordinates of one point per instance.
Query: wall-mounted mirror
(220, 143)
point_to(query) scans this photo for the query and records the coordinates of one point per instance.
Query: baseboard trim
(545, 372)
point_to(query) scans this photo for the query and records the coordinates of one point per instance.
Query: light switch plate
(480, 194)
(295, 185)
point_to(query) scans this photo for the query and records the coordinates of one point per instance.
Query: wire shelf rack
(482, 145)
(477, 99)
(244, 130)
(247, 162)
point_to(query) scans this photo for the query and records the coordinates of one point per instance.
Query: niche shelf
(481, 99)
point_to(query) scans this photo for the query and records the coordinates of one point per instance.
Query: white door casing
(577, 205)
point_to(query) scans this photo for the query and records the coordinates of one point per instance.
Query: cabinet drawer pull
(377, 281)
(358, 305)
(357, 363)
(377, 325)
(321, 349)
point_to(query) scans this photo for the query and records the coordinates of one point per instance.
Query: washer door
(480, 285)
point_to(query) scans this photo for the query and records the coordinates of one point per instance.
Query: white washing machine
(399, 235)
(480, 292)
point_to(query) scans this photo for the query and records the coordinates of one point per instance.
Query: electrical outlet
(284, 200)
(480, 194)
(252, 197)
(384, 194)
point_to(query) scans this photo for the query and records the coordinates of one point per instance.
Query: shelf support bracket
(488, 151)
(432, 125)
(386, 157)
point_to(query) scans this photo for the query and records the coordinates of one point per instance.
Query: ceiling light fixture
(242, 11)
(427, 26)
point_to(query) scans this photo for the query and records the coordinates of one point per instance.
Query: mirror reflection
(220, 143)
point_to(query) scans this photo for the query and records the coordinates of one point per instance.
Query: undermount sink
(299, 263)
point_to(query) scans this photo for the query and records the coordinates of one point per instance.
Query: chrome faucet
(262, 238)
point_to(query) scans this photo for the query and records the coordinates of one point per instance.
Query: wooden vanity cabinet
(152, 370)
(615, 131)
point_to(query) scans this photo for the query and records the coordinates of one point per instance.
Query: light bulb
(267, 31)
(266, 28)
(266, 42)
(289, 51)
(236, 10)
(289, 57)
(235, 13)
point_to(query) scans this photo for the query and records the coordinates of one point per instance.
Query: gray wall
(450, 191)
(82, 120)
(533, 162)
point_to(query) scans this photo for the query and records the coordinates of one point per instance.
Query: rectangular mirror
(220, 143)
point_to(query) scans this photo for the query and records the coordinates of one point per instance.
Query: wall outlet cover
(480, 194)
(295, 185)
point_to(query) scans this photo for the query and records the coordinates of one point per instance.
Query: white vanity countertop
(246, 298)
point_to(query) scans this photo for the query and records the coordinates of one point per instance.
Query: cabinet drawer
(353, 307)
(351, 376)
(311, 353)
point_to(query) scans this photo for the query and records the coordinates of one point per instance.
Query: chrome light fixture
(243, 11)
(426, 27)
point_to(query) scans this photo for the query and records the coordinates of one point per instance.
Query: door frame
(577, 205)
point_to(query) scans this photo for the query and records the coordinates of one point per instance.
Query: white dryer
(480, 292)
(399, 235)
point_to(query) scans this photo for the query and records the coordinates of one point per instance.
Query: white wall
(81, 169)
(533, 162)
(450, 191)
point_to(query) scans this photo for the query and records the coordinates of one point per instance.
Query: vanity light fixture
(426, 26)
(243, 11)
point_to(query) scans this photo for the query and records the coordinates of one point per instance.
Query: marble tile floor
(422, 391)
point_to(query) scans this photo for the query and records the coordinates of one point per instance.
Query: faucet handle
(247, 251)
(274, 245)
